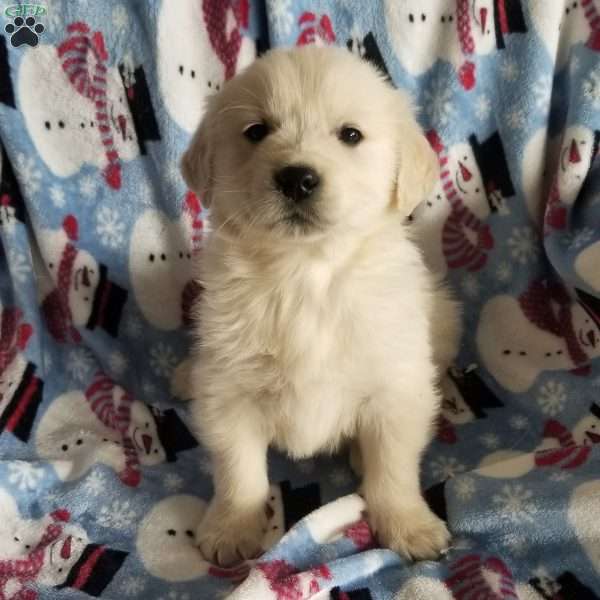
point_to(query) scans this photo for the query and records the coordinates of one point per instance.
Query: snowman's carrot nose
(574, 155)
(464, 172)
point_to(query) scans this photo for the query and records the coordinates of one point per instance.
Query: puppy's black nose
(297, 182)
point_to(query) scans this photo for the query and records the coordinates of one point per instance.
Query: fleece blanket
(102, 481)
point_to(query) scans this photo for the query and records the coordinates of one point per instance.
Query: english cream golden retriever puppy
(319, 323)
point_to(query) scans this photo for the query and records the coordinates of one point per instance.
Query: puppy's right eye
(256, 132)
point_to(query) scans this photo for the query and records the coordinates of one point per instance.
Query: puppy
(319, 323)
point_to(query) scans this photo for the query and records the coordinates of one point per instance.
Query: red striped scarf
(77, 52)
(457, 247)
(117, 418)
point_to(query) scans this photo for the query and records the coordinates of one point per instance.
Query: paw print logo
(24, 31)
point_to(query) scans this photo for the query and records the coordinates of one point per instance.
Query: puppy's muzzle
(297, 182)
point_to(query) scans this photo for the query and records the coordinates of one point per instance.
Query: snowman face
(144, 434)
(454, 407)
(586, 330)
(189, 70)
(482, 25)
(160, 260)
(73, 438)
(60, 121)
(575, 161)
(421, 33)
(166, 541)
(275, 514)
(573, 26)
(434, 208)
(62, 554)
(10, 380)
(587, 431)
(123, 131)
(84, 281)
(466, 175)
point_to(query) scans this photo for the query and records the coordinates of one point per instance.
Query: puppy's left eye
(350, 136)
(256, 132)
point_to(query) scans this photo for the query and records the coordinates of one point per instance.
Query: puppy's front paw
(415, 533)
(227, 537)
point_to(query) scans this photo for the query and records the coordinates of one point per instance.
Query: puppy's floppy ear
(198, 160)
(418, 168)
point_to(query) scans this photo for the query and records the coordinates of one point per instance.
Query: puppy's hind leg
(392, 438)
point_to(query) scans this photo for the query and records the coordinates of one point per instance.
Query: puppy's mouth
(301, 221)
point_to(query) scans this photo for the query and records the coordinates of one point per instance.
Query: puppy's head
(306, 142)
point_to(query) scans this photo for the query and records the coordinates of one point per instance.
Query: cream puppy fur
(319, 323)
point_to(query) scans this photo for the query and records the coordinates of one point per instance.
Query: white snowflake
(134, 327)
(134, 586)
(149, 389)
(542, 92)
(119, 515)
(560, 476)
(24, 475)
(120, 18)
(464, 488)
(110, 227)
(490, 440)
(30, 176)
(281, 15)
(162, 359)
(438, 102)
(483, 107)
(517, 543)
(146, 193)
(523, 244)
(57, 195)
(88, 186)
(173, 173)
(509, 70)
(445, 467)
(117, 362)
(516, 118)
(519, 422)
(95, 483)
(19, 265)
(579, 238)
(552, 398)
(504, 272)
(79, 364)
(173, 482)
(514, 503)
(591, 88)
(340, 476)
(470, 285)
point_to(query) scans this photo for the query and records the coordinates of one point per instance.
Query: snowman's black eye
(171, 532)
(506, 352)
(411, 18)
(16, 539)
(189, 533)
(65, 447)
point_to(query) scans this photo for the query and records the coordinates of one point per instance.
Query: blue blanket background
(101, 481)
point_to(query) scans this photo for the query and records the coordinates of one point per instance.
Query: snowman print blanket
(102, 481)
